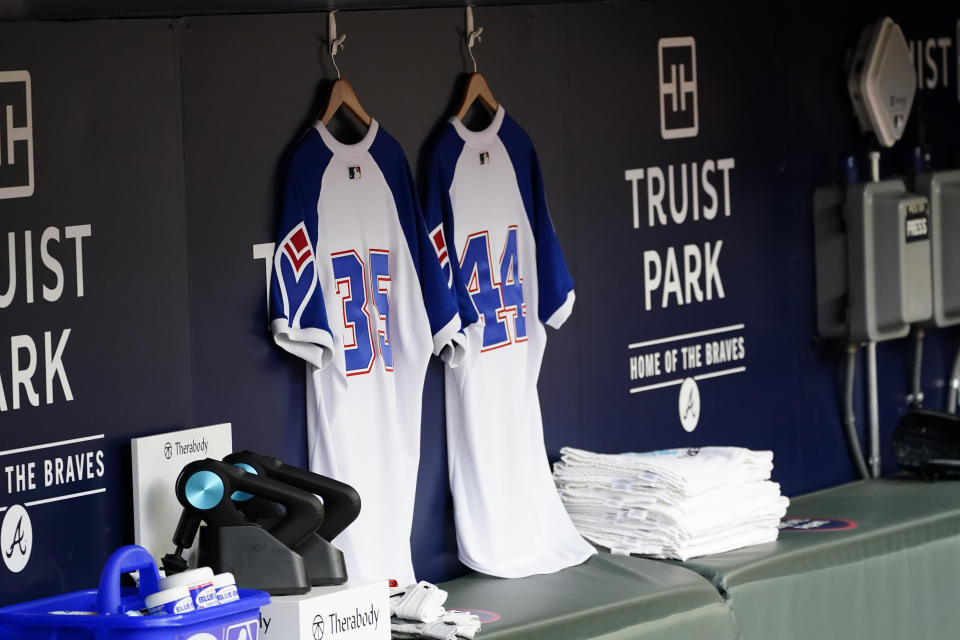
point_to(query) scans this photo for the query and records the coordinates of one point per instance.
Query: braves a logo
(440, 246)
(296, 246)
(16, 538)
(294, 253)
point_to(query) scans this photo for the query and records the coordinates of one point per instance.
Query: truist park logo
(678, 87)
(816, 524)
(16, 135)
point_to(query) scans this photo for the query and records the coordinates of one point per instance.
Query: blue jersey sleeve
(298, 317)
(554, 283)
(440, 304)
(438, 214)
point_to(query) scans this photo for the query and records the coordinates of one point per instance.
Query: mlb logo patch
(678, 87)
(354, 173)
(484, 158)
(16, 135)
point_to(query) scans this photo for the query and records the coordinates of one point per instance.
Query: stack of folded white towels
(417, 612)
(677, 503)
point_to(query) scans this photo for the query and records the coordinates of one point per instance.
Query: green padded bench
(895, 574)
(607, 597)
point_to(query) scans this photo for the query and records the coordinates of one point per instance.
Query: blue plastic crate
(34, 620)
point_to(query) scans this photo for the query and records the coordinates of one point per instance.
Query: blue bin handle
(124, 560)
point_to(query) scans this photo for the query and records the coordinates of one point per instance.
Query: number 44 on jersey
(497, 295)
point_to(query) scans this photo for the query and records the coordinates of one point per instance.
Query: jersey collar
(348, 150)
(479, 138)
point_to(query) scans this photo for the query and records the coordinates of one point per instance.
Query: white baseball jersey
(357, 292)
(486, 197)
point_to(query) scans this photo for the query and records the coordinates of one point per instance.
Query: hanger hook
(473, 36)
(336, 44)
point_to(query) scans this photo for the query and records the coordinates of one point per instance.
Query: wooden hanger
(477, 88)
(342, 95)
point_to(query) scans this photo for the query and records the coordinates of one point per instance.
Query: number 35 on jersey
(363, 288)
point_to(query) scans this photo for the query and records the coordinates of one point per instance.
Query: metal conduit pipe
(954, 385)
(916, 393)
(850, 417)
(873, 409)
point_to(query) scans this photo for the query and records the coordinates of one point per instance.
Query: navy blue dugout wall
(169, 138)
(107, 178)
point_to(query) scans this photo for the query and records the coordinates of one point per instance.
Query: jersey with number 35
(489, 224)
(357, 293)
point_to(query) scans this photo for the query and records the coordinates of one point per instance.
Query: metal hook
(336, 44)
(473, 36)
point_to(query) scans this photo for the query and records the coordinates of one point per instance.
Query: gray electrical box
(830, 245)
(872, 261)
(942, 189)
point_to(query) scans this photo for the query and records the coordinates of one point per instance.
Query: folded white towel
(422, 602)
(417, 612)
(677, 503)
(468, 624)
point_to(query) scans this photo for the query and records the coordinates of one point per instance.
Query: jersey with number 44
(357, 293)
(486, 197)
